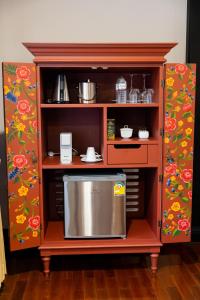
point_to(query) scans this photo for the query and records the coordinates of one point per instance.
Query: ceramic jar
(126, 132)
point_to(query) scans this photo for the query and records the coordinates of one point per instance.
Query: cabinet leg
(154, 262)
(46, 263)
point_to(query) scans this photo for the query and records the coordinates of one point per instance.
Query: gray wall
(85, 21)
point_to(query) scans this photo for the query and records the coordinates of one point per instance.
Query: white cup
(91, 155)
(143, 134)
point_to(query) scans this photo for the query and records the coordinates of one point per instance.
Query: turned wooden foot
(46, 263)
(154, 262)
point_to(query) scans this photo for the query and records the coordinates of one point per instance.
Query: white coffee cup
(91, 155)
(143, 134)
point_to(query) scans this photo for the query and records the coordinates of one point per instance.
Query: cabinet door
(22, 154)
(179, 105)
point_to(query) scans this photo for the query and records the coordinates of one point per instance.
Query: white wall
(90, 21)
(86, 21)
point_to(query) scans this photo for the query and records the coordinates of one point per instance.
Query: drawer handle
(130, 146)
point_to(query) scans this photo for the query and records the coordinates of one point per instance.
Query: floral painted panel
(179, 105)
(22, 154)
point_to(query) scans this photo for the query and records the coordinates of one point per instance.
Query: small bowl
(126, 132)
(143, 134)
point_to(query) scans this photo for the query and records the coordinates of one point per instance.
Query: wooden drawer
(153, 154)
(127, 154)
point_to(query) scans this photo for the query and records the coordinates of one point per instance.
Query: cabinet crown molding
(100, 52)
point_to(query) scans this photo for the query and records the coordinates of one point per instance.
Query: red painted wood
(153, 154)
(154, 211)
(126, 56)
(154, 262)
(41, 150)
(100, 53)
(22, 154)
(54, 163)
(139, 234)
(127, 156)
(178, 152)
(137, 141)
(94, 105)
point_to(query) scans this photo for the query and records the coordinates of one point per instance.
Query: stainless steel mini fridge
(95, 206)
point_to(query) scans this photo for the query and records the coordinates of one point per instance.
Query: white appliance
(66, 148)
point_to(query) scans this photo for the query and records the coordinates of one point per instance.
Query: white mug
(91, 155)
(143, 134)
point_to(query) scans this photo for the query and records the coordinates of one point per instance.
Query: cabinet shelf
(96, 105)
(54, 163)
(139, 234)
(118, 140)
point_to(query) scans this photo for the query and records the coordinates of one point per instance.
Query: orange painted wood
(154, 211)
(41, 151)
(96, 105)
(127, 156)
(71, 105)
(98, 53)
(153, 154)
(22, 154)
(54, 163)
(137, 141)
(116, 56)
(139, 234)
(84, 124)
(179, 111)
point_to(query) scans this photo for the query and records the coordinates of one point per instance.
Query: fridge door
(94, 206)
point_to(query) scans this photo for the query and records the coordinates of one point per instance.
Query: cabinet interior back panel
(84, 124)
(104, 79)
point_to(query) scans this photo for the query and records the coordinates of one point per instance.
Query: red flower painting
(19, 161)
(181, 69)
(170, 124)
(186, 175)
(171, 169)
(34, 222)
(23, 72)
(183, 225)
(187, 107)
(23, 106)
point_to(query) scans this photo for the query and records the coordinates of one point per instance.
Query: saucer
(84, 155)
(90, 161)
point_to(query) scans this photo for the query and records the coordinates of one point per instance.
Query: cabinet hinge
(160, 223)
(161, 178)
(162, 132)
(163, 83)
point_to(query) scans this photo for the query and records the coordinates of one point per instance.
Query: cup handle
(97, 154)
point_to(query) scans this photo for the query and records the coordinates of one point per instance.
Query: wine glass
(144, 92)
(134, 93)
(149, 95)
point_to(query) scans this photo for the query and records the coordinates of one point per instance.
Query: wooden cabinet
(161, 210)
